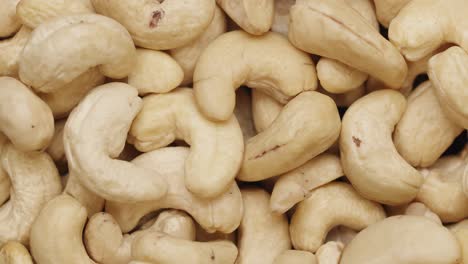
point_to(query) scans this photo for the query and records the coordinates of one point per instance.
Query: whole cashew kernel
(329, 253)
(296, 257)
(307, 126)
(368, 156)
(160, 25)
(388, 9)
(263, 235)
(329, 206)
(253, 61)
(95, 134)
(460, 230)
(403, 239)
(420, 209)
(10, 50)
(14, 253)
(255, 17)
(167, 117)
(63, 48)
(9, 22)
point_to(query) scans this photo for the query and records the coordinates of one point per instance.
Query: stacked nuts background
(129, 134)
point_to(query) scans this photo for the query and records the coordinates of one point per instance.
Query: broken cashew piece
(167, 117)
(387, 241)
(254, 17)
(10, 50)
(268, 62)
(63, 48)
(32, 126)
(307, 126)
(9, 22)
(331, 205)
(294, 186)
(420, 209)
(263, 235)
(388, 9)
(95, 134)
(14, 253)
(296, 257)
(329, 253)
(160, 25)
(222, 213)
(369, 157)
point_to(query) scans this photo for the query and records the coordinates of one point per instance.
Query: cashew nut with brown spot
(14, 253)
(9, 22)
(255, 17)
(296, 257)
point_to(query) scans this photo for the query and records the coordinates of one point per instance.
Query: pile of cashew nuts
(129, 134)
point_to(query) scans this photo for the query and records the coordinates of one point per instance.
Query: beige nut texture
(403, 239)
(91, 201)
(329, 253)
(448, 72)
(265, 110)
(254, 17)
(281, 16)
(222, 213)
(294, 186)
(14, 253)
(335, 30)
(34, 12)
(369, 157)
(34, 181)
(386, 10)
(9, 22)
(420, 209)
(155, 72)
(10, 50)
(268, 62)
(422, 26)
(331, 205)
(160, 25)
(296, 257)
(460, 230)
(216, 148)
(32, 126)
(187, 55)
(263, 235)
(424, 132)
(63, 48)
(95, 134)
(56, 235)
(307, 126)
(106, 244)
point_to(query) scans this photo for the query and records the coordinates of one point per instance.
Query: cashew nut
(14, 253)
(388, 9)
(9, 22)
(368, 156)
(420, 209)
(255, 17)
(268, 62)
(460, 230)
(296, 257)
(329, 206)
(10, 50)
(167, 117)
(329, 253)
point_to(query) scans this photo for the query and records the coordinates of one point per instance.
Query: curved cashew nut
(223, 213)
(268, 62)
(95, 133)
(414, 135)
(32, 126)
(10, 50)
(187, 56)
(63, 48)
(460, 230)
(9, 22)
(34, 12)
(420, 209)
(263, 235)
(444, 22)
(325, 28)
(281, 16)
(34, 181)
(329, 253)
(368, 156)
(296, 257)
(155, 72)
(107, 245)
(387, 241)
(167, 117)
(56, 235)
(448, 72)
(388, 9)
(307, 126)
(331, 205)
(294, 186)
(255, 17)
(14, 253)
(91, 201)
(265, 110)
(160, 25)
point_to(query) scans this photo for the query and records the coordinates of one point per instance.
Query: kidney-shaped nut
(388, 9)
(160, 25)
(294, 186)
(14, 253)
(401, 240)
(263, 235)
(222, 213)
(255, 17)
(331, 205)
(460, 230)
(448, 72)
(31, 127)
(63, 48)
(268, 62)
(10, 50)
(216, 148)
(333, 29)
(95, 134)
(307, 126)
(296, 257)
(421, 123)
(369, 157)
(265, 110)
(107, 245)
(34, 12)
(9, 22)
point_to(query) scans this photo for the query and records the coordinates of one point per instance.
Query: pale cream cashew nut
(254, 17)
(14, 253)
